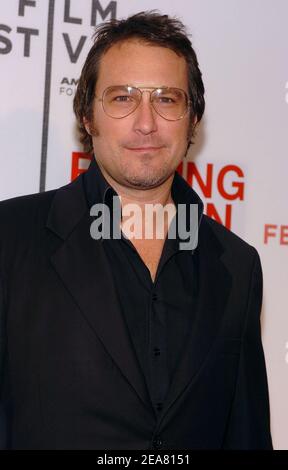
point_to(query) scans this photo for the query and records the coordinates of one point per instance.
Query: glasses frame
(143, 88)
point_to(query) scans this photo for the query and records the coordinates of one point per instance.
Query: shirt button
(157, 442)
(156, 351)
(159, 406)
(154, 296)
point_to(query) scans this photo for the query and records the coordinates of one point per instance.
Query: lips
(143, 149)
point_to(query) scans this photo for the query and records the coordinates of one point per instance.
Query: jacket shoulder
(25, 218)
(23, 209)
(232, 243)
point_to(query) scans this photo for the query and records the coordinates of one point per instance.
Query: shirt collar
(97, 188)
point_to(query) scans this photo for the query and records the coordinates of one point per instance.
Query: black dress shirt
(159, 315)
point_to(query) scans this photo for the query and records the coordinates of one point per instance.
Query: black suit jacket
(69, 374)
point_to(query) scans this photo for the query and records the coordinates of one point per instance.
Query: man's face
(141, 150)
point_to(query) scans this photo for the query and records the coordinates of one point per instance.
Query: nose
(145, 116)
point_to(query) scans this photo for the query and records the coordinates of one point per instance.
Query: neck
(159, 195)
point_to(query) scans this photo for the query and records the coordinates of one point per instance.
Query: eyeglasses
(121, 100)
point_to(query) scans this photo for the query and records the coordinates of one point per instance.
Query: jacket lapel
(82, 266)
(214, 286)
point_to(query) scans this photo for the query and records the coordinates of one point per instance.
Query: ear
(86, 125)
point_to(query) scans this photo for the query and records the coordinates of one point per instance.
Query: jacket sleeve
(249, 422)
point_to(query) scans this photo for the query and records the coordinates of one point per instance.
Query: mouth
(143, 149)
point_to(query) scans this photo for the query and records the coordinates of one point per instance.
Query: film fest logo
(277, 234)
(227, 183)
(98, 12)
(29, 35)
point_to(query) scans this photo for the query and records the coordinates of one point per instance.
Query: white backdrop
(239, 162)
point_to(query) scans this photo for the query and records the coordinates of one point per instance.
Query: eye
(166, 99)
(123, 98)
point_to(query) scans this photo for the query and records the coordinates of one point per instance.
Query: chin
(146, 172)
(147, 179)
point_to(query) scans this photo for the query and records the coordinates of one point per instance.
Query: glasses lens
(170, 103)
(119, 101)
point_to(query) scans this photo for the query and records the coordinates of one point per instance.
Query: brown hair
(152, 28)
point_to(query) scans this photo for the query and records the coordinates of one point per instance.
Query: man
(130, 342)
